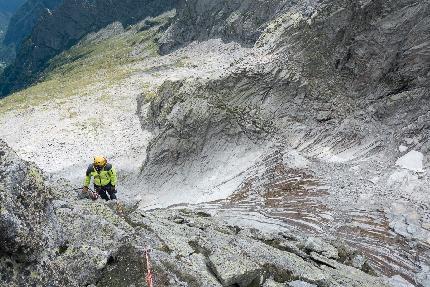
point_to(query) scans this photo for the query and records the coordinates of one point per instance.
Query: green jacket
(107, 175)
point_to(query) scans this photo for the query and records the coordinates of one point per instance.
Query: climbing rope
(149, 276)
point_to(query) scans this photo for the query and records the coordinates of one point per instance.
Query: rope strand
(149, 276)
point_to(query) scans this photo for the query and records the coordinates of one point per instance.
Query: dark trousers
(103, 191)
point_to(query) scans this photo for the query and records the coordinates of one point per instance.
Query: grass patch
(181, 63)
(86, 68)
(149, 93)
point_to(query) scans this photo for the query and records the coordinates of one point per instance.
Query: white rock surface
(293, 159)
(403, 148)
(398, 281)
(413, 161)
(300, 284)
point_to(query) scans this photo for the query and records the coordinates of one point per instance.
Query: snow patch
(413, 161)
(293, 159)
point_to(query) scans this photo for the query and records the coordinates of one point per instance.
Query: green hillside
(103, 61)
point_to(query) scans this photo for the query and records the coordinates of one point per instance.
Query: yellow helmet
(100, 161)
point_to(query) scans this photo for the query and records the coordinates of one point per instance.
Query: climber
(104, 179)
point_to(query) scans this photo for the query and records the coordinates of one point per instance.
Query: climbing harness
(149, 276)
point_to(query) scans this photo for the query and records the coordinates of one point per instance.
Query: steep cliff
(239, 21)
(10, 6)
(328, 79)
(7, 51)
(26, 17)
(335, 89)
(305, 116)
(52, 238)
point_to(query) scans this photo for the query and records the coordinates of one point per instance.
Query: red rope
(149, 276)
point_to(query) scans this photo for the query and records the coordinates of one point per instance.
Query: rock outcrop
(51, 238)
(24, 203)
(239, 21)
(323, 89)
(342, 83)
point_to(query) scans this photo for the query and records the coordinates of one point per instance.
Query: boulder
(321, 247)
(412, 161)
(224, 264)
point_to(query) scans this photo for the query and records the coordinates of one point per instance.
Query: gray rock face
(319, 246)
(273, 283)
(405, 221)
(46, 238)
(237, 258)
(224, 264)
(300, 284)
(24, 197)
(398, 281)
(51, 238)
(230, 20)
(313, 66)
(344, 83)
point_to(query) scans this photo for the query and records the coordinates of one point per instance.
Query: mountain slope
(7, 8)
(10, 6)
(50, 237)
(310, 116)
(331, 90)
(6, 52)
(25, 18)
(59, 29)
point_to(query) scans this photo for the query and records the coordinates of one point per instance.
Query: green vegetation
(183, 62)
(87, 67)
(36, 178)
(149, 93)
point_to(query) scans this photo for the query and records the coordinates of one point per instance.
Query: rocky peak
(199, 20)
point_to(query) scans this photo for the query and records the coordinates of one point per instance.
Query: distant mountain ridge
(7, 8)
(25, 18)
(64, 26)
